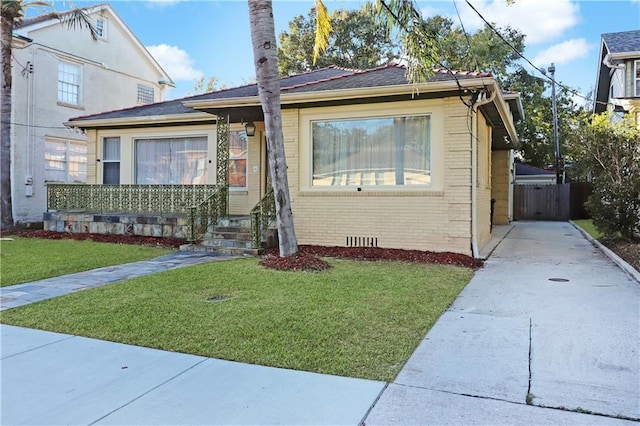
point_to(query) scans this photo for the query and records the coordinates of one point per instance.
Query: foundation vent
(362, 241)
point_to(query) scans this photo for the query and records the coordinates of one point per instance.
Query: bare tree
(263, 38)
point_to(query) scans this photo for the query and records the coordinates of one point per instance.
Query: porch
(196, 213)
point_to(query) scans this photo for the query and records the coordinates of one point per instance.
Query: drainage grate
(362, 241)
(559, 280)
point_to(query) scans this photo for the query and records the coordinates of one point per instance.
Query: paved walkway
(547, 331)
(549, 321)
(23, 294)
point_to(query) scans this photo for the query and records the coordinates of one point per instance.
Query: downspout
(474, 169)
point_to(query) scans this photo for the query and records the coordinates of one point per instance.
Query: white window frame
(101, 28)
(143, 94)
(137, 161)
(48, 157)
(106, 160)
(371, 185)
(65, 84)
(636, 79)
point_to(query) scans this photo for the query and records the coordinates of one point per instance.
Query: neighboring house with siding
(526, 174)
(618, 77)
(370, 156)
(58, 73)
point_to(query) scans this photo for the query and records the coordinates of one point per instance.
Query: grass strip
(31, 259)
(358, 319)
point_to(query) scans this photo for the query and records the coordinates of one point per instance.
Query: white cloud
(540, 20)
(563, 53)
(175, 61)
(157, 4)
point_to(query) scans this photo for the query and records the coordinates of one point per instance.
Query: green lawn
(358, 319)
(587, 225)
(29, 259)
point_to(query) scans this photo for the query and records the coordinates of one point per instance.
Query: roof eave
(140, 121)
(343, 94)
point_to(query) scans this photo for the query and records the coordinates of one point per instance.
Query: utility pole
(556, 142)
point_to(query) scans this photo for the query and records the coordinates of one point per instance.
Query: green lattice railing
(206, 214)
(262, 215)
(202, 204)
(156, 199)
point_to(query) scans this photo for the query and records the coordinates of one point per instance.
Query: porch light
(250, 128)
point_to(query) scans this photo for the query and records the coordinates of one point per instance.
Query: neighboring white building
(60, 73)
(618, 81)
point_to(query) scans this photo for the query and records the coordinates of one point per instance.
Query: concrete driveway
(548, 322)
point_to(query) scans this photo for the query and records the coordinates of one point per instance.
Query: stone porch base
(149, 225)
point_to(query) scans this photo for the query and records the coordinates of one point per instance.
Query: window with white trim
(111, 161)
(382, 151)
(65, 160)
(171, 160)
(637, 78)
(238, 159)
(146, 94)
(101, 28)
(69, 79)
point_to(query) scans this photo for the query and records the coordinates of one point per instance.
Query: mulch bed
(309, 258)
(627, 250)
(117, 239)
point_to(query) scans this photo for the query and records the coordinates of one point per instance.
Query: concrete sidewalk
(547, 331)
(548, 322)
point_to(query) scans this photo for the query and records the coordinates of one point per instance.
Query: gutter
(474, 170)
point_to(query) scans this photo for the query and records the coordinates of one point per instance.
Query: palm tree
(263, 38)
(12, 13)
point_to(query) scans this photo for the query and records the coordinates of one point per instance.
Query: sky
(195, 38)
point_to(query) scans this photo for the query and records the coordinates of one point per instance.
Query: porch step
(236, 251)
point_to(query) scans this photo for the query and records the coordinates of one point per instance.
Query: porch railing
(202, 204)
(206, 213)
(262, 215)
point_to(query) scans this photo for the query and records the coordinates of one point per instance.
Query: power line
(564, 86)
(466, 36)
(419, 15)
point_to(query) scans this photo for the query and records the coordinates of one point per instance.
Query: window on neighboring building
(69, 83)
(238, 160)
(637, 78)
(65, 160)
(145, 94)
(171, 161)
(111, 161)
(385, 151)
(101, 28)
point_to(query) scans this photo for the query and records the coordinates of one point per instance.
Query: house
(60, 72)
(526, 174)
(618, 81)
(372, 159)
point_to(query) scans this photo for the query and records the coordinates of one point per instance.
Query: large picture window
(171, 161)
(238, 160)
(65, 161)
(385, 151)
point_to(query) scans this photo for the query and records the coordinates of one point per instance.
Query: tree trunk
(263, 37)
(6, 206)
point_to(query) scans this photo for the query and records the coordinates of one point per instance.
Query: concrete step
(236, 251)
(222, 242)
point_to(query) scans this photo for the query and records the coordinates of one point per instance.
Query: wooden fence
(541, 202)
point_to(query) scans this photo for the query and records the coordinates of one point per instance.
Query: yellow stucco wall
(436, 218)
(483, 184)
(501, 166)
